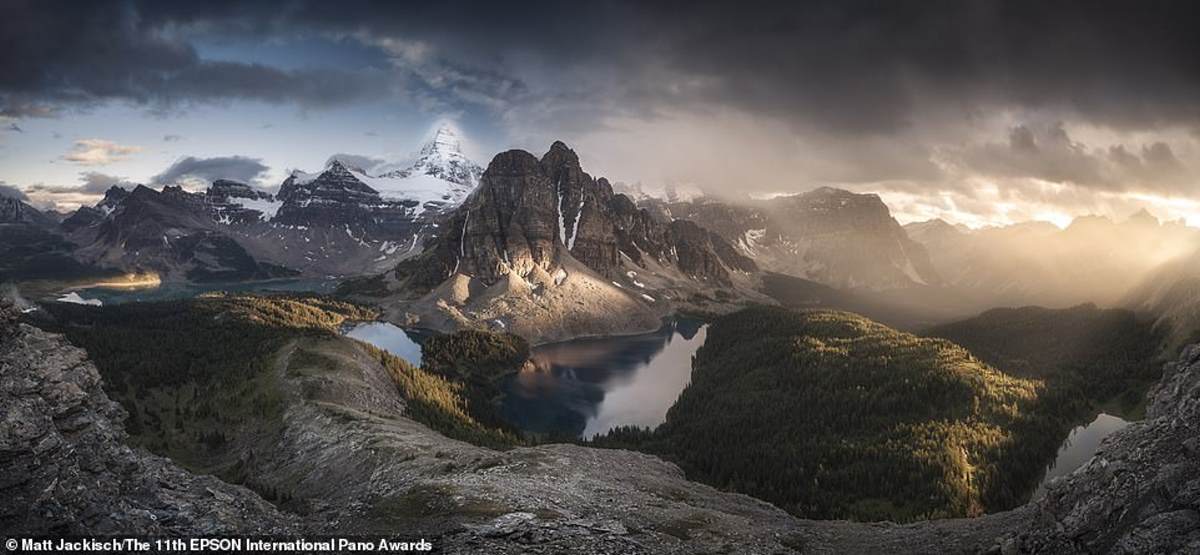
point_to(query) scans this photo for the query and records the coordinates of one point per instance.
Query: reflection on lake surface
(1079, 447)
(391, 338)
(175, 291)
(589, 386)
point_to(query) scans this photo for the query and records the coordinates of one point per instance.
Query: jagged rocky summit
(16, 211)
(342, 220)
(545, 249)
(835, 237)
(441, 175)
(32, 243)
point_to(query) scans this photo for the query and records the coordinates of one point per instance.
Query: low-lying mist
(1092, 260)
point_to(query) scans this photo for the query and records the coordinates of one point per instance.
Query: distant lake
(391, 338)
(583, 387)
(586, 387)
(176, 291)
(1080, 447)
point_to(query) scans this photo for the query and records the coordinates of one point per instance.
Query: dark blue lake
(1080, 447)
(585, 387)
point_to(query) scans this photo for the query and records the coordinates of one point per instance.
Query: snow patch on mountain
(75, 298)
(562, 226)
(440, 174)
(751, 239)
(266, 207)
(575, 226)
(304, 178)
(428, 191)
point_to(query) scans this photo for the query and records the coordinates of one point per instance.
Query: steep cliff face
(696, 250)
(831, 236)
(511, 223)
(31, 244)
(89, 218)
(852, 238)
(172, 233)
(338, 197)
(1141, 492)
(330, 224)
(542, 247)
(530, 213)
(234, 202)
(15, 211)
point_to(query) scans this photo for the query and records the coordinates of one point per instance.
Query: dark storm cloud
(90, 190)
(879, 67)
(851, 67)
(942, 101)
(192, 169)
(1050, 154)
(1156, 165)
(96, 182)
(65, 53)
(91, 183)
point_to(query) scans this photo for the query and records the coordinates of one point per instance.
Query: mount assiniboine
(342, 220)
(547, 251)
(439, 178)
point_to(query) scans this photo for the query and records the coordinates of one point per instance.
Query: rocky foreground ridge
(65, 468)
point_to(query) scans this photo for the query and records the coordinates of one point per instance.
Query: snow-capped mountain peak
(440, 173)
(444, 142)
(439, 176)
(440, 157)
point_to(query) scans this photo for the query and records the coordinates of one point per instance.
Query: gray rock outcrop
(366, 467)
(832, 236)
(531, 213)
(67, 470)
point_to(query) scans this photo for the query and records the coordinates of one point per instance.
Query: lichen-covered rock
(1141, 492)
(65, 467)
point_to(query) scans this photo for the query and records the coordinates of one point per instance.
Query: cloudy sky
(979, 112)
